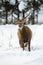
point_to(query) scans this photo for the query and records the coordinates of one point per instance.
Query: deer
(24, 34)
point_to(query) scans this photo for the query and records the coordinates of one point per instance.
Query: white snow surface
(10, 51)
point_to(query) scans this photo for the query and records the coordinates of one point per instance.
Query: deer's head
(20, 22)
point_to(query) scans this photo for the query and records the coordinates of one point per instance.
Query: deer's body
(24, 35)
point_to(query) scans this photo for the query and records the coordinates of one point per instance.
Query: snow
(22, 5)
(12, 2)
(7, 36)
(38, 38)
(10, 51)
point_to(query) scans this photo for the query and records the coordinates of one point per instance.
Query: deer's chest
(24, 35)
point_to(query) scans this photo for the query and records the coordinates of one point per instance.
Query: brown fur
(24, 35)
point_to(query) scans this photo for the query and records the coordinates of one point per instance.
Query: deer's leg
(21, 44)
(29, 45)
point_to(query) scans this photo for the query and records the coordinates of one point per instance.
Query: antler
(16, 20)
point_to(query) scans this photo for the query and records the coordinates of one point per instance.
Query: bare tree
(35, 5)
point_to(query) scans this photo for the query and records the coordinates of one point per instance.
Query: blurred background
(31, 10)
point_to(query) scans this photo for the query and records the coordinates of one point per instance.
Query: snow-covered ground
(10, 51)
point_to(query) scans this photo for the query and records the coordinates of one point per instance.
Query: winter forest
(21, 32)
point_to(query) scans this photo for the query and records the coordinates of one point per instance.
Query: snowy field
(10, 51)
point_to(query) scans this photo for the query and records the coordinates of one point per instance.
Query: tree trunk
(37, 16)
(6, 16)
(2, 1)
(12, 17)
(33, 21)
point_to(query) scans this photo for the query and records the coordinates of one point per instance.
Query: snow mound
(8, 37)
(37, 41)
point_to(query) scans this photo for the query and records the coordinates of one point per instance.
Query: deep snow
(10, 51)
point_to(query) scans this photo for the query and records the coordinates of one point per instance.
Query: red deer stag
(24, 34)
